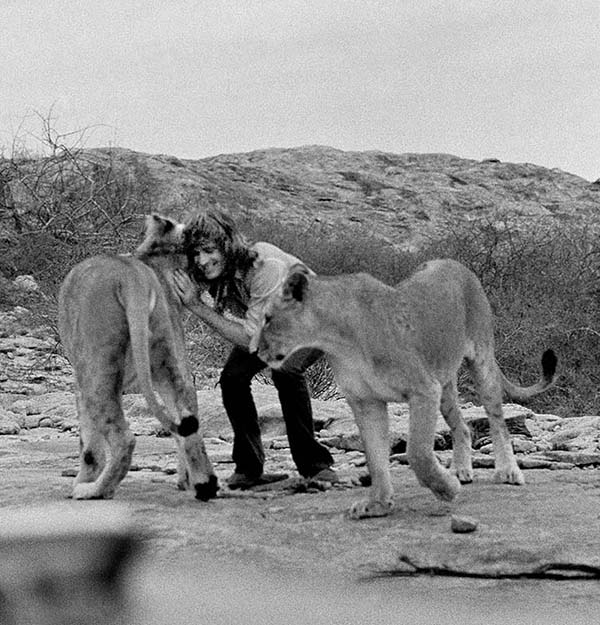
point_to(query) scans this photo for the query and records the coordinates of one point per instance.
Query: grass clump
(542, 284)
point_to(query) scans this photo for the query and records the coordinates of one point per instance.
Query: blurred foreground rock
(65, 565)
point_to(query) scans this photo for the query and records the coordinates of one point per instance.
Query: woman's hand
(184, 288)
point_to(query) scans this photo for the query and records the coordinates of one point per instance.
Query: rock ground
(301, 531)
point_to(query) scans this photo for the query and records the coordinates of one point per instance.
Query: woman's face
(210, 260)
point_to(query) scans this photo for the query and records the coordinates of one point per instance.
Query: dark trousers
(248, 453)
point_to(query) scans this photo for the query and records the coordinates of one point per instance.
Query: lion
(120, 323)
(403, 343)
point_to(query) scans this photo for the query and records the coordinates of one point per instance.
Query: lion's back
(90, 309)
(429, 322)
(433, 316)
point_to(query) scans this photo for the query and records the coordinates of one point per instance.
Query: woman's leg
(309, 455)
(248, 454)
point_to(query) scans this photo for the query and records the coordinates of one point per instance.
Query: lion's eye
(268, 318)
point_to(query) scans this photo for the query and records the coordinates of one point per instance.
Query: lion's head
(162, 236)
(290, 321)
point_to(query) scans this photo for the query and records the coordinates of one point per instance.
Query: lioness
(403, 344)
(119, 322)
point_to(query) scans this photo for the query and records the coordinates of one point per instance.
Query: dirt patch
(288, 548)
(275, 556)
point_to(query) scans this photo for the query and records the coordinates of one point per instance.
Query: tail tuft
(549, 362)
(188, 426)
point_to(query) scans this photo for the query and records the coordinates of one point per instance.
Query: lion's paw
(464, 474)
(510, 475)
(446, 487)
(88, 490)
(366, 508)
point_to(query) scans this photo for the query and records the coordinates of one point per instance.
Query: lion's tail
(519, 393)
(138, 308)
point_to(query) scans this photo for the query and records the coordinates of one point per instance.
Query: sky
(517, 80)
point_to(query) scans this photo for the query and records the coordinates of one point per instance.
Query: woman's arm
(229, 329)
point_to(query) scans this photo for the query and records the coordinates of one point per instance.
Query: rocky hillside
(56, 211)
(400, 198)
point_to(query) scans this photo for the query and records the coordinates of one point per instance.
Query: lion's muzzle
(269, 355)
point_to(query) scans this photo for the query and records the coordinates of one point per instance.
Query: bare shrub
(328, 250)
(207, 349)
(543, 287)
(63, 203)
(542, 282)
(66, 203)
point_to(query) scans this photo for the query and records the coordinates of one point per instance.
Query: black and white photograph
(299, 312)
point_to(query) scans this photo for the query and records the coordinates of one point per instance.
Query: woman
(242, 279)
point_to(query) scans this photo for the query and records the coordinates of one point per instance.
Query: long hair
(215, 226)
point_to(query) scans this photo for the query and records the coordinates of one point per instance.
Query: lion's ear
(296, 285)
(160, 232)
(159, 226)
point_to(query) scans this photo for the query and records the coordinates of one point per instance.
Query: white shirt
(264, 282)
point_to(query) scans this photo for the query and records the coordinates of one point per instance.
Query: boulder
(58, 407)
(343, 432)
(26, 283)
(577, 458)
(9, 422)
(577, 434)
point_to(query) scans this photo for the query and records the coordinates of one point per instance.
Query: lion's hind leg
(424, 406)
(462, 465)
(92, 456)
(489, 386)
(105, 414)
(92, 445)
(194, 468)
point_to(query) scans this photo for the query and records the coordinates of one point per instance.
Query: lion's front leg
(421, 433)
(372, 420)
